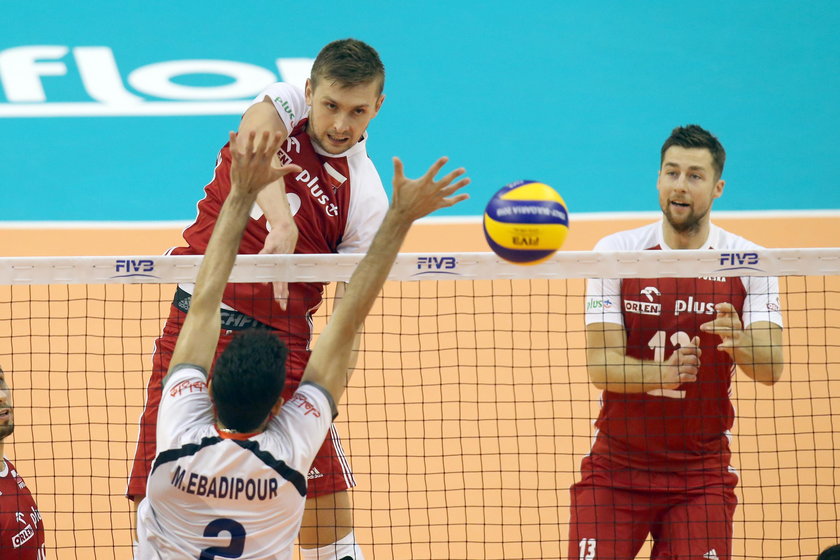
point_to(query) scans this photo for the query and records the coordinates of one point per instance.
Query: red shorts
(330, 472)
(688, 514)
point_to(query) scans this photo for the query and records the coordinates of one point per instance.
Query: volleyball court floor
(466, 451)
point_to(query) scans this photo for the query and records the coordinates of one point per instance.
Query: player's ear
(307, 91)
(275, 410)
(378, 104)
(718, 190)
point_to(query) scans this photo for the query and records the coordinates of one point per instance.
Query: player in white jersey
(664, 350)
(229, 477)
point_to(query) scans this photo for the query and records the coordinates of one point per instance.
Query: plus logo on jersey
(692, 306)
(313, 185)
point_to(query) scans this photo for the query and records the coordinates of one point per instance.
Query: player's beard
(322, 142)
(690, 224)
(6, 430)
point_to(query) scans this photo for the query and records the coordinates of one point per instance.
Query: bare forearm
(340, 289)
(275, 206)
(221, 251)
(350, 313)
(197, 342)
(613, 371)
(371, 273)
(760, 354)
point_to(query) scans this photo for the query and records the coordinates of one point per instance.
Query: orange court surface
(465, 423)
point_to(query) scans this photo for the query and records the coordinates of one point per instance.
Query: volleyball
(526, 222)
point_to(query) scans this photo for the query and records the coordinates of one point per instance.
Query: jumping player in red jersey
(664, 351)
(334, 204)
(21, 527)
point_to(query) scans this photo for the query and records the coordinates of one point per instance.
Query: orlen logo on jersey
(649, 292)
(692, 306)
(153, 89)
(24, 535)
(642, 307)
(645, 307)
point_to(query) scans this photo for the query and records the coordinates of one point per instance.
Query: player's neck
(694, 238)
(227, 433)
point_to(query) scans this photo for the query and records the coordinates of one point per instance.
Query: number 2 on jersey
(236, 546)
(657, 344)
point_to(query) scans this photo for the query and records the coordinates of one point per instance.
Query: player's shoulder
(283, 90)
(365, 174)
(636, 239)
(289, 102)
(181, 373)
(727, 240)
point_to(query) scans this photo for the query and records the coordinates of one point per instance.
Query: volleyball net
(468, 415)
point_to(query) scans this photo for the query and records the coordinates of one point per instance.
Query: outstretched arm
(412, 199)
(250, 172)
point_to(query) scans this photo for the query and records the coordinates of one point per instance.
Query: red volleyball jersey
(21, 527)
(338, 203)
(687, 427)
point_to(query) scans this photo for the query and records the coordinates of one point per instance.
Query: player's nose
(341, 124)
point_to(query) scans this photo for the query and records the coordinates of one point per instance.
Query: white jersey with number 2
(214, 495)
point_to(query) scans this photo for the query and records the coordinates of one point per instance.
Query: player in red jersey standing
(664, 351)
(21, 527)
(335, 204)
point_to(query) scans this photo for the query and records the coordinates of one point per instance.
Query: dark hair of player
(693, 136)
(248, 378)
(830, 553)
(349, 62)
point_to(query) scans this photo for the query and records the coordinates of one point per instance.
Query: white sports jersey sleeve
(304, 421)
(368, 205)
(289, 101)
(184, 404)
(603, 295)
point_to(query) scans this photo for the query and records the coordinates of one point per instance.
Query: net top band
(425, 266)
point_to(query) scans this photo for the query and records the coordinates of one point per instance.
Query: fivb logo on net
(149, 90)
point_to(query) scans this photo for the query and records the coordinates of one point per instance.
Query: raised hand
(682, 366)
(727, 325)
(251, 166)
(416, 198)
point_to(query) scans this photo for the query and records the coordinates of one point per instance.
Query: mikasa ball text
(526, 222)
